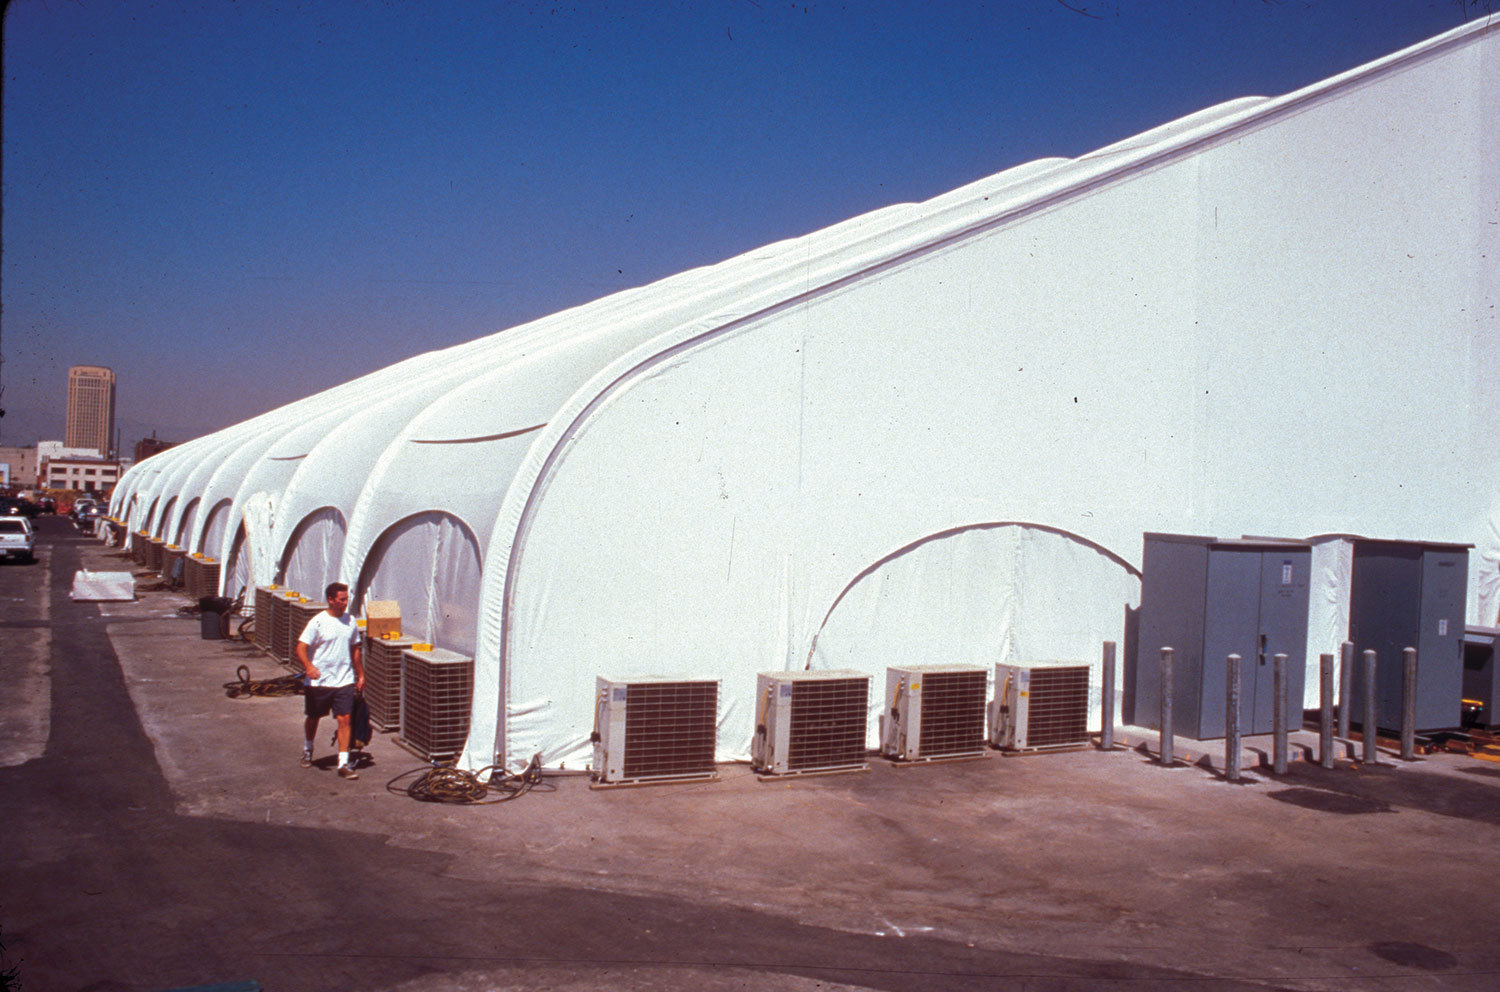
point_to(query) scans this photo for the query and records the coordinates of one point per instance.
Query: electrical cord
(454, 786)
(246, 687)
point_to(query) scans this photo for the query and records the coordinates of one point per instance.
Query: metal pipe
(1346, 687)
(1278, 715)
(1232, 718)
(1368, 730)
(1107, 703)
(1408, 704)
(1164, 748)
(1325, 715)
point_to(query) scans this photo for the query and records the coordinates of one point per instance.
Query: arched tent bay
(430, 563)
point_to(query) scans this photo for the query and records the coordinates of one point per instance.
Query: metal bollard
(1164, 748)
(1408, 704)
(1346, 688)
(1325, 716)
(1278, 715)
(1107, 716)
(1368, 730)
(1232, 718)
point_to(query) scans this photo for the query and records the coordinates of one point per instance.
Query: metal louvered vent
(299, 615)
(279, 611)
(263, 617)
(1040, 705)
(382, 661)
(811, 722)
(934, 711)
(170, 559)
(437, 692)
(655, 729)
(208, 577)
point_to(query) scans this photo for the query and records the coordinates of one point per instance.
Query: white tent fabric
(314, 552)
(182, 533)
(979, 595)
(939, 427)
(428, 563)
(1158, 337)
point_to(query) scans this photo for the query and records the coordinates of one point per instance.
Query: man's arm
(307, 665)
(356, 655)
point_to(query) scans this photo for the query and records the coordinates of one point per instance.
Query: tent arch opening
(166, 518)
(984, 593)
(430, 564)
(185, 524)
(211, 541)
(310, 560)
(236, 577)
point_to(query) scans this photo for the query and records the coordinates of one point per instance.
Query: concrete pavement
(164, 836)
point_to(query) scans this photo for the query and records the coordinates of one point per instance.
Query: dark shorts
(319, 700)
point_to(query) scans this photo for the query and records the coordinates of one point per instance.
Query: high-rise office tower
(91, 408)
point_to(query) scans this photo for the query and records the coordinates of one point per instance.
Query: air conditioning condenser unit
(810, 723)
(654, 729)
(933, 712)
(1040, 706)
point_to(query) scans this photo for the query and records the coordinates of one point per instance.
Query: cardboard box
(383, 618)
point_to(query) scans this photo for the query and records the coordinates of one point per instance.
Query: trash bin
(211, 611)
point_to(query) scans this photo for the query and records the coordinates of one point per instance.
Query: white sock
(307, 747)
(343, 758)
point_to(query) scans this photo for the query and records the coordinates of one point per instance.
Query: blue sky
(235, 205)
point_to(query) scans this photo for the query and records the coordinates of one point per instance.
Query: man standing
(334, 672)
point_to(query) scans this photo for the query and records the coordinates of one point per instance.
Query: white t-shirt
(328, 639)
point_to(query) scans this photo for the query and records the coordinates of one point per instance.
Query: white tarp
(102, 587)
(428, 563)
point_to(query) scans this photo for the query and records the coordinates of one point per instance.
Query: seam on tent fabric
(285, 458)
(905, 549)
(475, 440)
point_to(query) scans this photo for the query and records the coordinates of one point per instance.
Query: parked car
(85, 515)
(17, 540)
(13, 506)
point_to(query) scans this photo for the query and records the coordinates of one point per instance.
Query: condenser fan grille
(1059, 706)
(670, 728)
(382, 661)
(437, 692)
(953, 712)
(828, 723)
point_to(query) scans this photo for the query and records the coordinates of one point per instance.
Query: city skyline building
(91, 408)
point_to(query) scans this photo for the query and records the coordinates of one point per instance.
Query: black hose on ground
(447, 784)
(246, 687)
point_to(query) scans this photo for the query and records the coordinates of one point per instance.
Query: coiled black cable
(448, 784)
(246, 687)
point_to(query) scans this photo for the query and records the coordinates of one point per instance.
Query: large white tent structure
(936, 432)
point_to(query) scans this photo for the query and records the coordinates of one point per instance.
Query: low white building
(81, 473)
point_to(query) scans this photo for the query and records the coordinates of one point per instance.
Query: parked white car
(17, 539)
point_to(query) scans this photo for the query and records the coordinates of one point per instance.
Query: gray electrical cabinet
(1481, 677)
(1410, 594)
(1207, 599)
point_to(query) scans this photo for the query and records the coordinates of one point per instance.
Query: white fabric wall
(311, 559)
(429, 563)
(184, 532)
(166, 514)
(234, 576)
(980, 595)
(1268, 330)
(215, 526)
